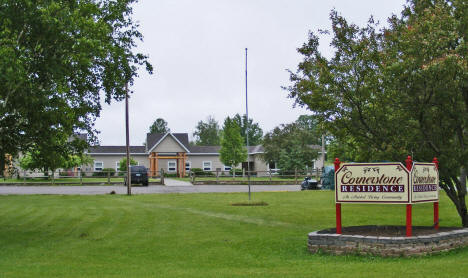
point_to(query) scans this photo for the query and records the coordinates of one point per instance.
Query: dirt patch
(389, 231)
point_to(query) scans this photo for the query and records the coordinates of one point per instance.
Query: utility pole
(129, 176)
(247, 124)
(323, 151)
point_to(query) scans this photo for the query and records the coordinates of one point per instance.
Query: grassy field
(200, 235)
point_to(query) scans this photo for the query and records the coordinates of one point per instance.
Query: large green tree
(232, 150)
(290, 145)
(207, 133)
(58, 60)
(255, 131)
(35, 160)
(123, 164)
(159, 126)
(398, 90)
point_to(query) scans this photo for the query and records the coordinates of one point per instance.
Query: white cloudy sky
(197, 48)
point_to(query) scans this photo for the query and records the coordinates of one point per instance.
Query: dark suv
(139, 174)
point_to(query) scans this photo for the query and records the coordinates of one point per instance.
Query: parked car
(309, 184)
(139, 175)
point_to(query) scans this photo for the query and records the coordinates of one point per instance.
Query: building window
(117, 165)
(227, 168)
(188, 165)
(171, 166)
(272, 165)
(98, 165)
(206, 165)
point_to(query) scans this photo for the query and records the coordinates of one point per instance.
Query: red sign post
(436, 204)
(338, 205)
(409, 207)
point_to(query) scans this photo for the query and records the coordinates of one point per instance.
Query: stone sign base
(329, 242)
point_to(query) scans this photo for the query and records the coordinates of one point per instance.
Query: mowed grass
(200, 235)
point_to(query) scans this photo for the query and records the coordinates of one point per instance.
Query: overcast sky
(197, 48)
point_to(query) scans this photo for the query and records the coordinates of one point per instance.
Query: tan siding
(169, 145)
(110, 160)
(197, 161)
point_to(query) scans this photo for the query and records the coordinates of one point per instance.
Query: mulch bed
(389, 231)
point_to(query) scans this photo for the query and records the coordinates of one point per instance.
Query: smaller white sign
(424, 183)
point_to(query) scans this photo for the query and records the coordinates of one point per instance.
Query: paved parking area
(152, 189)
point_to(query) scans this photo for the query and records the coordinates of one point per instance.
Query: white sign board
(424, 183)
(372, 183)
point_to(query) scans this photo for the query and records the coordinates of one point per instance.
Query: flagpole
(129, 176)
(247, 124)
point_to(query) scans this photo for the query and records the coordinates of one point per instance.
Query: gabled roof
(256, 149)
(154, 139)
(116, 150)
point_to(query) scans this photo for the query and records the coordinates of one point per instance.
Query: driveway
(152, 189)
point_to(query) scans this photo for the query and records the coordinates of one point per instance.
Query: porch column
(151, 159)
(184, 160)
(155, 164)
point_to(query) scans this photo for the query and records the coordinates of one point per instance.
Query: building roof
(152, 139)
(117, 149)
(256, 149)
(204, 149)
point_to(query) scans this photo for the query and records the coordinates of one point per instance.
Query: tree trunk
(456, 191)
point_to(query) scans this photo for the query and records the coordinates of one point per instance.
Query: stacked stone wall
(387, 246)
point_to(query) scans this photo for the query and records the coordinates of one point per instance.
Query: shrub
(65, 174)
(237, 171)
(200, 172)
(104, 172)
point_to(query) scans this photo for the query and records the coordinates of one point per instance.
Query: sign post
(409, 207)
(337, 205)
(436, 204)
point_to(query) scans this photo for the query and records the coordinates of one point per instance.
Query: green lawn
(200, 235)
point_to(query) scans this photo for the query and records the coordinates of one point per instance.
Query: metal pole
(129, 176)
(247, 124)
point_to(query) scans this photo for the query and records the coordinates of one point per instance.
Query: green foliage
(232, 150)
(391, 92)
(255, 132)
(159, 126)
(104, 172)
(207, 133)
(344, 149)
(57, 60)
(290, 145)
(52, 160)
(123, 164)
(237, 171)
(200, 172)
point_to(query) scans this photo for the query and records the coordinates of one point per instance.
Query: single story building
(172, 153)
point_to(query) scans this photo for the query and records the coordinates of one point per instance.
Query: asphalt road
(152, 189)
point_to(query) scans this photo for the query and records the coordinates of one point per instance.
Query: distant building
(173, 153)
